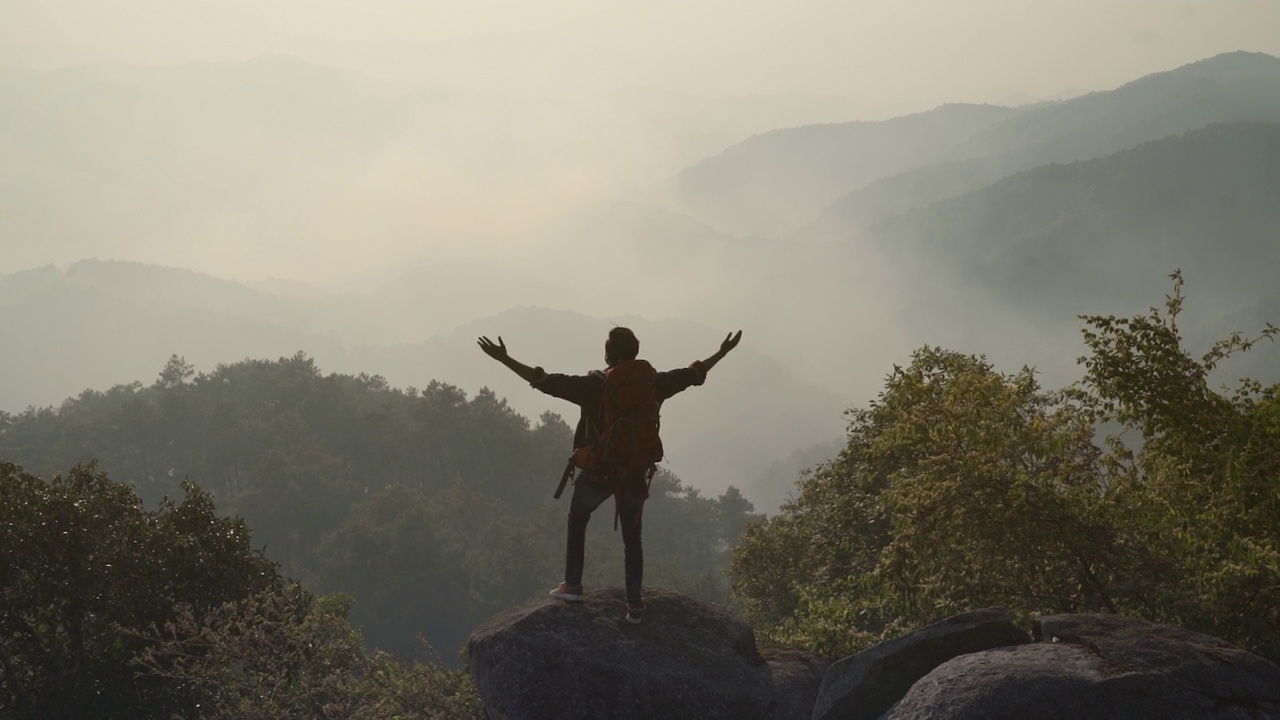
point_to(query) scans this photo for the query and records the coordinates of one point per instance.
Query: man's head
(621, 346)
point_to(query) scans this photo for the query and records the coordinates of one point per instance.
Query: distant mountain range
(1098, 236)
(768, 184)
(1207, 201)
(102, 323)
(996, 241)
(778, 182)
(837, 248)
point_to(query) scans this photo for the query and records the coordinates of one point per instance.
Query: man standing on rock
(615, 444)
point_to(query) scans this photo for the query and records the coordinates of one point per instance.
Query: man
(590, 489)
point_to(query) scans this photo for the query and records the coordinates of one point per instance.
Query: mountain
(1262, 361)
(1225, 88)
(102, 323)
(1029, 253)
(771, 183)
(99, 324)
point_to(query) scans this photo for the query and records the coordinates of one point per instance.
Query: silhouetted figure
(612, 450)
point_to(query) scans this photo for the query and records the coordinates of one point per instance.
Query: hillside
(1225, 88)
(1036, 249)
(1204, 201)
(100, 323)
(773, 182)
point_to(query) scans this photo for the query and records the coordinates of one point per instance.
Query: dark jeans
(588, 493)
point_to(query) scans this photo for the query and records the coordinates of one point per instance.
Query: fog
(927, 51)
(378, 184)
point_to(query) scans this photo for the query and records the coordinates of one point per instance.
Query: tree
(86, 570)
(448, 497)
(176, 372)
(961, 487)
(282, 653)
(1203, 483)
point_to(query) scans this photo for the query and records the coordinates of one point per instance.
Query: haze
(551, 104)
(926, 51)
(376, 184)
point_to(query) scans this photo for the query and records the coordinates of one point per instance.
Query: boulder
(865, 685)
(1100, 666)
(555, 659)
(797, 676)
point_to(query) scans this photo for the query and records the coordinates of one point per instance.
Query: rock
(864, 686)
(797, 676)
(554, 659)
(1100, 666)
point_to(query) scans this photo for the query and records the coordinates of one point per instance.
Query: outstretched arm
(498, 351)
(730, 342)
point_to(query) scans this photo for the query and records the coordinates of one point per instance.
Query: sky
(920, 51)
(480, 171)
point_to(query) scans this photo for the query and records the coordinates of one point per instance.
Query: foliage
(112, 610)
(961, 487)
(430, 509)
(86, 569)
(283, 654)
(1203, 483)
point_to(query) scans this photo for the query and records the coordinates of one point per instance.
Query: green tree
(961, 487)
(282, 653)
(86, 569)
(1201, 480)
(429, 508)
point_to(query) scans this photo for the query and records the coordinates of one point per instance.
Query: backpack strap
(564, 479)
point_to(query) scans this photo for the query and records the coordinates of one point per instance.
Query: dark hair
(621, 346)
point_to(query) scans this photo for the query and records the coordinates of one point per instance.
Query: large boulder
(1100, 667)
(554, 659)
(797, 677)
(864, 686)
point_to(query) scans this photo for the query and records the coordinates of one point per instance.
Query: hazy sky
(917, 50)
(485, 173)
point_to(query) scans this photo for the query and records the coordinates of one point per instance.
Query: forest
(431, 510)
(267, 541)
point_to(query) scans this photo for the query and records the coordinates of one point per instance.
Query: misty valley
(1015, 356)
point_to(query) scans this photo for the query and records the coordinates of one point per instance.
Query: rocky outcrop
(554, 659)
(691, 659)
(864, 686)
(1100, 667)
(797, 677)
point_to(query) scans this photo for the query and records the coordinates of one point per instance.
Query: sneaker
(635, 613)
(565, 591)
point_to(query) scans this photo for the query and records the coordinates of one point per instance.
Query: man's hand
(497, 351)
(730, 342)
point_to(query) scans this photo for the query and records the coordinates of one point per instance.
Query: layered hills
(836, 247)
(777, 182)
(102, 323)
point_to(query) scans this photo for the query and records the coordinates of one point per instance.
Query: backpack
(628, 443)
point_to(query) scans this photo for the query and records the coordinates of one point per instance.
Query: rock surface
(554, 659)
(864, 686)
(1104, 667)
(797, 676)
